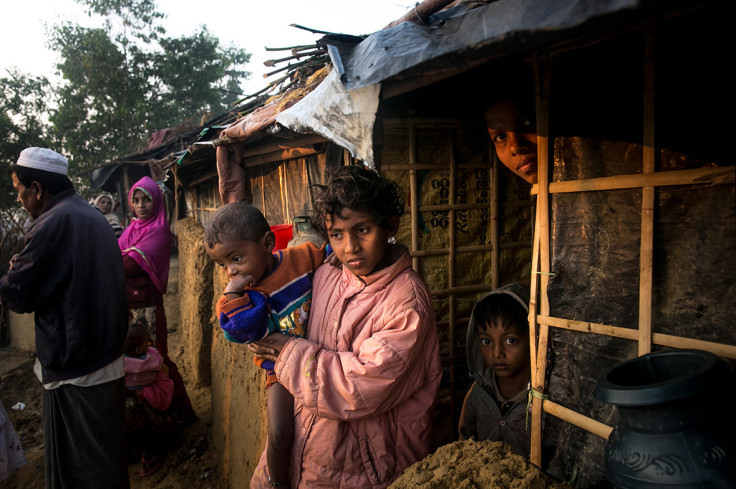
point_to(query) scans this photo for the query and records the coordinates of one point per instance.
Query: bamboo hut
(626, 240)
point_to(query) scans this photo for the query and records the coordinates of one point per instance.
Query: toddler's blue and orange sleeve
(245, 319)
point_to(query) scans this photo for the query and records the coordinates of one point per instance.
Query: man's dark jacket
(70, 274)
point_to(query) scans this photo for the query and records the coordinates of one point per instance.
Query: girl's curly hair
(359, 189)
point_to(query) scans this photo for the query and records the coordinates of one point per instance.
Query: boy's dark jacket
(70, 274)
(481, 416)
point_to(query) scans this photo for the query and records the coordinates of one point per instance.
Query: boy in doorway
(511, 123)
(495, 407)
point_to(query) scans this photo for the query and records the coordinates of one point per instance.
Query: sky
(248, 24)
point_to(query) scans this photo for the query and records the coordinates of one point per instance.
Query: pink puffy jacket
(364, 380)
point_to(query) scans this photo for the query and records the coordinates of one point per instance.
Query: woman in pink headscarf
(146, 247)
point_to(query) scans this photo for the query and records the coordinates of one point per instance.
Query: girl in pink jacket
(366, 376)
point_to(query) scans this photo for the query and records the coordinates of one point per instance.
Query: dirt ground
(190, 464)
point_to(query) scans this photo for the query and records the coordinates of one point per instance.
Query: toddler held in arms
(268, 291)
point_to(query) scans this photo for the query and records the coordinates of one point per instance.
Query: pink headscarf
(148, 242)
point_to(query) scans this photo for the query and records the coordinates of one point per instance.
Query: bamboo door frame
(452, 207)
(539, 314)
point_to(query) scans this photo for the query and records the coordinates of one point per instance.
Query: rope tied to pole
(533, 393)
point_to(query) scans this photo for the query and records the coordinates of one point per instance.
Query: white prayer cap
(43, 159)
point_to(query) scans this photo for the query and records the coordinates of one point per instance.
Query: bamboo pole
(451, 275)
(542, 78)
(294, 66)
(579, 420)
(462, 289)
(454, 207)
(285, 154)
(414, 197)
(284, 193)
(125, 204)
(205, 209)
(533, 291)
(302, 142)
(671, 341)
(297, 55)
(587, 327)
(297, 48)
(176, 197)
(430, 166)
(700, 176)
(470, 249)
(646, 253)
(495, 210)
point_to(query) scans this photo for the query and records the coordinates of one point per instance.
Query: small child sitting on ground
(495, 407)
(268, 291)
(149, 395)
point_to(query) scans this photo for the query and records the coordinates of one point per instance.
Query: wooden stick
(587, 327)
(572, 417)
(451, 275)
(430, 166)
(292, 48)
(462, 289)
(542, 77)
(495, 210)
(285, 154)
(267, 88)
(176, 195)
(533, 288)
(317, 31)
(284, 144)
(294, 66)
(470, 249)
(646, 253)
(700, 176)
(298, 55)
(722, 349)
(414, 197)
(453, 207)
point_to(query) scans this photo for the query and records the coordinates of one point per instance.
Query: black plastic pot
(676, 424)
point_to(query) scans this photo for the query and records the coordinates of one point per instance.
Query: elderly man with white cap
(70, 274)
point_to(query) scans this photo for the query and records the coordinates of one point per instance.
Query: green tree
(23, 104)
(125, 80)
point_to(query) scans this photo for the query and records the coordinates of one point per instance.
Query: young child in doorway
(150, 392)
(495, 407)
(268, 292)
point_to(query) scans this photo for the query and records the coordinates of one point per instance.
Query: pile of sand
(475, 465)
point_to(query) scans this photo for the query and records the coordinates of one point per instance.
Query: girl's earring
(392, 240)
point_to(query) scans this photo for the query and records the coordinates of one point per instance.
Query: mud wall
(238, 389)
(195, 289)
(21, 331)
